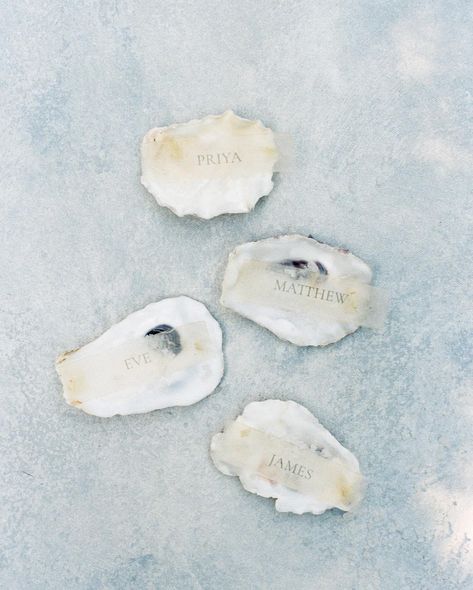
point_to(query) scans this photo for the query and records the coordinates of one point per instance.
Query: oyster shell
(207, 167)
(166, 354)
(279, 450)
(302, 290)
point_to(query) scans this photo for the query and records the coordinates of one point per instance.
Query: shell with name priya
(207, 167)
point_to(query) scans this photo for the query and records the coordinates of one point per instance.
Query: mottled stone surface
(378, 96)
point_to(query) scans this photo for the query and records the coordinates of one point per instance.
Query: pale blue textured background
(378, 96)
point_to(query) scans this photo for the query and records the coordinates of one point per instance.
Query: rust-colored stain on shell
(171, 147)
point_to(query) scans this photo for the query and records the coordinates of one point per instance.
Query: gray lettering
(290, 467)
(218, 159)
(341, 297)
(280, 286)
(136, 361)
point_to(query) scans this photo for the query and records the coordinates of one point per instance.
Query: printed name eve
(309, 291)
(216, 159)
(138, 360)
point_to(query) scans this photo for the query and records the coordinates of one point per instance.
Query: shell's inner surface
(207, 167)
(281, 461)
(166, 354)
(293, 286)
(228, 153)
(304, 291)
(280, 450)
(134, 363)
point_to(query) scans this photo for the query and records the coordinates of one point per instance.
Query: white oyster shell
(166, 354)
(302, 320)
(274, 446)
(207, 167)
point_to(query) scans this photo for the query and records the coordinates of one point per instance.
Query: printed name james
(295, 468)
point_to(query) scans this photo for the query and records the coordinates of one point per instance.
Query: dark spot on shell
(295, 263)
(160, 329)
(169, 340)
(321, 267)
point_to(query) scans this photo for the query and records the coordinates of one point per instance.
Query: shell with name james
(302, 290)
(279, 450)
(211, 166)
(166, 354)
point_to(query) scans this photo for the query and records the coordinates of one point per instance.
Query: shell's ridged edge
(207, 118)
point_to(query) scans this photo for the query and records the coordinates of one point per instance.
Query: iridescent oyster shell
(279, 450)
(166, 354)
(207, 167)
(304, 291)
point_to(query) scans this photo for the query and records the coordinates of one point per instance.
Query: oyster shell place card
(166, 354)
(211, 166)
(279, 450)
(304, 291)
